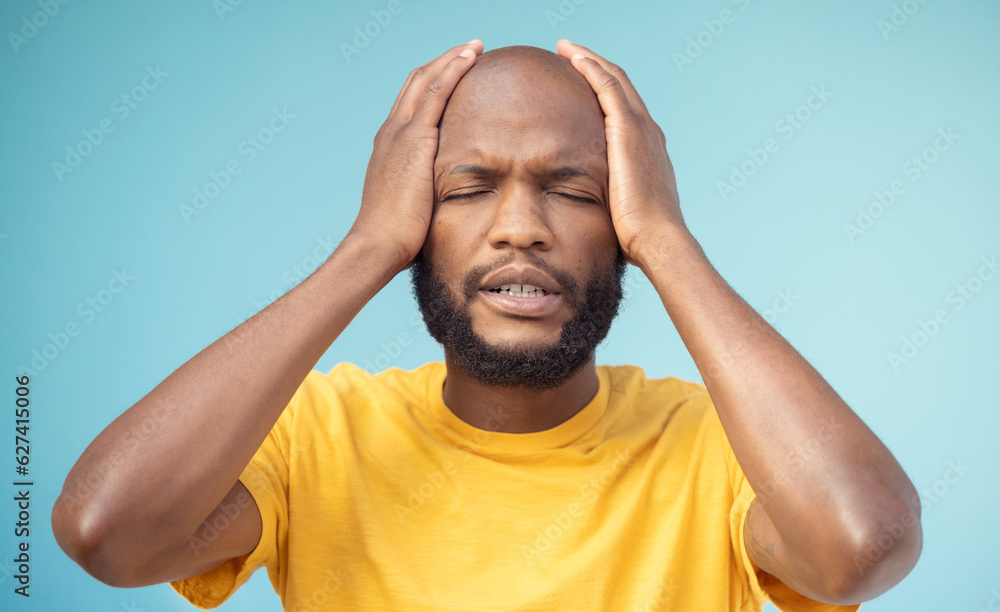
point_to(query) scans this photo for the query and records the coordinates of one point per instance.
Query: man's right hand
(129, 511)
(398, 196)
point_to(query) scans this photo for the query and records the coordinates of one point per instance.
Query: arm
(812, 521)
(136, 499)
(132, 501)
(815, 518)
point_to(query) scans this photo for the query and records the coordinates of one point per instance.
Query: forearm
(825, 480)
(151, 477)
(826, 483)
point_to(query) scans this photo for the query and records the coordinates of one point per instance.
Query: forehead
(524, 119)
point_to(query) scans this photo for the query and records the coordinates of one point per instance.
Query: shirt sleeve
(759, 583)
(266, 478)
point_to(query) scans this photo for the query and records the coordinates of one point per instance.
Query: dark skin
(822, 515)
(134, 525)
(521, 126)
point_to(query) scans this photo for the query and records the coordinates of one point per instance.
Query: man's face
(527, 153)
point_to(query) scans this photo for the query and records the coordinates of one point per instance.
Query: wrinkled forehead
(520, 115)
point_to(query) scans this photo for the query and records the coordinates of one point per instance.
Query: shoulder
(337, 403)
(349, 378)
(351, 384)
(669, 404)
(629, 382)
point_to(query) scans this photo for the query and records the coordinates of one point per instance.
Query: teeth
(520, 290)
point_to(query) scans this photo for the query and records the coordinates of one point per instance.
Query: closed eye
(476, 193)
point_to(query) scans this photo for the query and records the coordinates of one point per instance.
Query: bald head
(521, 59)
(522, 104)
(510, 74)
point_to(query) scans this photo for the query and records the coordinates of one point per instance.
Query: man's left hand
(642, 188)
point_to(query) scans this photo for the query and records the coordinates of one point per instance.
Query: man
(517, 475)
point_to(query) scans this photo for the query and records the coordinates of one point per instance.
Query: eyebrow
(484, 171)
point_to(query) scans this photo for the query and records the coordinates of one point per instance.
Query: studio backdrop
(169, 169)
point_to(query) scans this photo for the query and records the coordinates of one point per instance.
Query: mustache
(473, 279)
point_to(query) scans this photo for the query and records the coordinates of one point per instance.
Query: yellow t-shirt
(375, 496)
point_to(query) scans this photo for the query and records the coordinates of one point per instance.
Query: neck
(515, 409)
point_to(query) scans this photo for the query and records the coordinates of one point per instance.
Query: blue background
(780, 239)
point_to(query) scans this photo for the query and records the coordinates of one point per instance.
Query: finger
(609, 89)
(475, 44)
(567, 49)
(409, 95)
(434, 95)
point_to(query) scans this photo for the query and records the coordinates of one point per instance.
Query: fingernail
(467, 53)
(578, 55)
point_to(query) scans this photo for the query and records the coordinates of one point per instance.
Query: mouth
(521, 300)
(520, 291)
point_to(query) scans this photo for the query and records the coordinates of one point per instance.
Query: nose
(520, 221)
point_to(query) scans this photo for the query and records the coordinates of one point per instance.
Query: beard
(533, 368)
